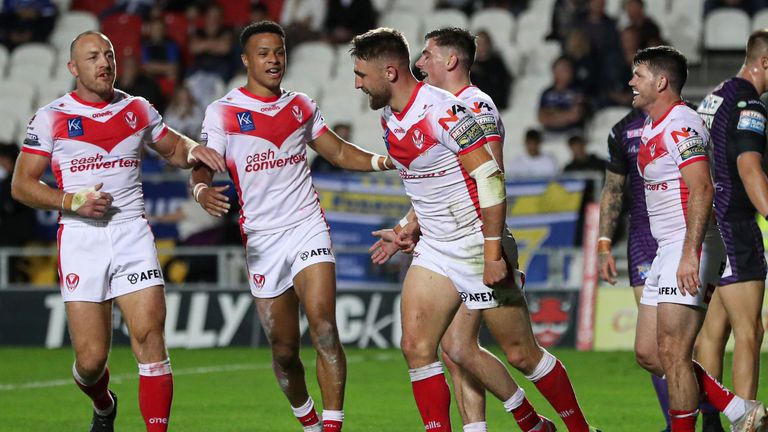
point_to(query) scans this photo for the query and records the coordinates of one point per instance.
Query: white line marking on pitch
(202, 370)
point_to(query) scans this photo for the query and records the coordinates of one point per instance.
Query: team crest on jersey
(418, 139)
(75, 127)
(245, 120)
(652, 149)
(131, 119)
(298, 113)
(258, 280)
(72, 280)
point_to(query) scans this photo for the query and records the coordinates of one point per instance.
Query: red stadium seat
(237, 13)
(176, 27)
(125, 32)
(95, 7)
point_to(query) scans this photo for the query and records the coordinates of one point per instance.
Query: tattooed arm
(610, 210)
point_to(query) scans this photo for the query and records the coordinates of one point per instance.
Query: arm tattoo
(610, 203)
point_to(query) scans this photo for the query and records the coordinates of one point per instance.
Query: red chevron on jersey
(417, 141)
(651, 151)
(273, 128)
(107, 134)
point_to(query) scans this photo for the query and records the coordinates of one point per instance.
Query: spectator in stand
(319, 163)
(348, 18)
(580, 159)
(533, 164)
(17, 221)
(23, 21)
(212, 46)
(602, 32)
(183, 113)
(160, 56)
(466, 6)
(134, 7)
(134, 81)
(303, 21)
(647, 29)
(489, 73)
(614, 89)
(586, 65)
(562, 106)
(565, 14)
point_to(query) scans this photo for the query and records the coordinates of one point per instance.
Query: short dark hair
(533, 134)
(576, 139)
(460, 39)
(258, 28)
(382, 42)
(667, 60)
(757, 45)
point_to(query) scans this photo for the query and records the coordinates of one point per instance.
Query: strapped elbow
(490, 184)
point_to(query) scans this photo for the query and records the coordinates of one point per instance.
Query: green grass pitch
(233, 389)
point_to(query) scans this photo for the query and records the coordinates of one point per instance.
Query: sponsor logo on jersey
(298, 113)
(466, 132)
(405, 175)
(97, 162)
(131, 119)
(753, 121)
(146, 275)
(433, 425)
(398, 130)
(478, 297)
(656, 186)
(669, 291)
(452, 117)
(102, 114)
(75, 127)
(72, 280)
(305, 255)
(685, 132)
(269, 161)
(203, 137)
(269, 108)
(477, 107)
(245, 120)
(258, 280)
(634, 133)
(158, 420)
(692, 147)
(418, 139)
(31, 140)
(643, 270)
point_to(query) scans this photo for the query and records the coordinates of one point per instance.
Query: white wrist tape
(197, 189)
(403, 222)
(375, 162)
(80, 197)
(191, 159)
(490, 184)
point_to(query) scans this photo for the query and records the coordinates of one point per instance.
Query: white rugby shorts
(275, 259)
(661, 283)
(99, 261)
(462, 262)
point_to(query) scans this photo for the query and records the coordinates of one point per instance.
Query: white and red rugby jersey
(667, 145)
(425, 141)
(264, 142)
(485, 112)
(90, 143)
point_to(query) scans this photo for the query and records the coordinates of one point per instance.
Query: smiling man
(94, 138)
(263, 131)
(674, 164)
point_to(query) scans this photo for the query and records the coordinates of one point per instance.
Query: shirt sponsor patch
(203, 137)
(31, 140)
(75, 127)
(488, 123)
(634, 133)
(691, 147)
(245, 121)
(466, 132)
(752, 121)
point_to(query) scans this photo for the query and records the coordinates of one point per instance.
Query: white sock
(82, 381)
(735, 409)
(155, 369)
(476, 427)
(425, 372)
(305, 409)
(545, 366)
(515, 401)
(335, 415)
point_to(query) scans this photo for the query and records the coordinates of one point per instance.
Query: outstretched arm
(348, 156)
(182, 152)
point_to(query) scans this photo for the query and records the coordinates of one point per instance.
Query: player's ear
(661, 83)
(390, 72)
(72, 68)
(451, 62)
(244, 59)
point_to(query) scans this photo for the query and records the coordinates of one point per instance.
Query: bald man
(92, 138)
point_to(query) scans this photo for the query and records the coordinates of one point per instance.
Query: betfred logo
(258, 280)
(72, 280)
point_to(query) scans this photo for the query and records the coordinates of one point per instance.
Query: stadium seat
(62, 5)
(499, 23)
(540, 57)
(532, 28)
(683, 31)
(600, 126)
(31, 74)
(3, 60)
(95, 7)
(298, 82)
(527, 93)
(124, 30)
(513, 57)
(7, 129)
(343, 106)
(444, 18)
(419, 7)
(317, 57)
(726, 30)
(33, 54)
(409, 25)
(237, 81)
(760, 20)
(176, 28)
(19, 115)
(19, 95)
(237, 13)
(69, 25)
(48, 91)
(345, 65)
